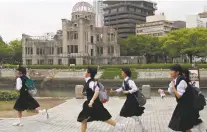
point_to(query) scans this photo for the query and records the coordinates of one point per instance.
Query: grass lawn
(7, 111)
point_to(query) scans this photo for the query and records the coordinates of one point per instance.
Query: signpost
(195, 77)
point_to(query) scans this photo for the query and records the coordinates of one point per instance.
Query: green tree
(16, 51)
(190, 41)
(141, 45)
(4, 49)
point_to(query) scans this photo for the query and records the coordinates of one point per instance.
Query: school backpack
(103, 96)
(31, 87)
(141, 99)
(200, 101)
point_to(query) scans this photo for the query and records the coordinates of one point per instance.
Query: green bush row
(136, 66)
(111, 73)
(8, 95)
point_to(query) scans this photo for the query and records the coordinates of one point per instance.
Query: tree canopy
(10, 52)
(190, 42)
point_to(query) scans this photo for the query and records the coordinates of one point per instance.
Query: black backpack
(199, 99)
(141, 99)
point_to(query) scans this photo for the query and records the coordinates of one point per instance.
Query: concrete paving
(63, 118)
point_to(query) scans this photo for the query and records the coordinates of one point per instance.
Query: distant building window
(97, 38)
(160, 34)
(72, 49)
(114, 10)
(138, 10)
(76, 36)
(29, 50)
(59, 50)
(112, 49)
(106, 12)
(92, 39)
(91, 26)
(111, 36)
(76, 48)
(101, 50)
(38, 51)
(51, 50)
(40, 62)
(29, 62)
(69, 49)
(71, 35)
(121, 9)
(42, 51)
(108, 50)
(108, 37)
(59, 61)
(131, 9)
(91, 52)
(50, 61)
(75, 25)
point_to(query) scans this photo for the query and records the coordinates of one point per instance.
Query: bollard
(146, 90)
(78, 92)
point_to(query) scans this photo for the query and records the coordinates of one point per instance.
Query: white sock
(20, 119)
(138, 120)
(118, 126)
(42, 111)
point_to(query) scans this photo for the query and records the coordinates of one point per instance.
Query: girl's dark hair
(177, 68)
(92, 71)
(127, 71)
(22, 70)
(186, 73)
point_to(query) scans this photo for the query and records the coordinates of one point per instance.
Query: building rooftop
(118, 1)
(82, 7)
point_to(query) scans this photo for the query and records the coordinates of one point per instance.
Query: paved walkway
(63, 118)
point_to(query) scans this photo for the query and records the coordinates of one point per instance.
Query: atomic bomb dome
(78, 42)
(82, 7)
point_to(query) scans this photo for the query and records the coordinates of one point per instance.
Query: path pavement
(63, 118)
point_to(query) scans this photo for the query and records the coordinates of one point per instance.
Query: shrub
(111, 73)
(135, 66)
(8, 95)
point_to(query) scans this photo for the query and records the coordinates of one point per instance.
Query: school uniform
(25, 101)
(97, 112)
(185, 116)
(131, 106)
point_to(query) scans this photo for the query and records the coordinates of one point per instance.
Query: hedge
(135, 66)
(111, 73)
(8, 95)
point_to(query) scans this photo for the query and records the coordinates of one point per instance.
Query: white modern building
(98, 6)
(156, 25)
(193, 21)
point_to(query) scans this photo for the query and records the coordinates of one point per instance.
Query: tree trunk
(191, 58)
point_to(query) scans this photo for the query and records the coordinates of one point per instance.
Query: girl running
(93, 109)
(185, 116)
(131, 107)
(25, 101)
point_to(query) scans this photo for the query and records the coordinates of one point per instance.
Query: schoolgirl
(198, 122)
(131, 107)
(93, 109)
(25, 101)
(185, 116)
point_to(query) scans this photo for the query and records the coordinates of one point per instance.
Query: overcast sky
(36, 17)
